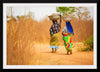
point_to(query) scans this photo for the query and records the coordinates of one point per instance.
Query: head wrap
(69, 27)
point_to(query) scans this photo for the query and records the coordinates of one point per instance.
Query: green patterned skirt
(67, 41)
(54, 41)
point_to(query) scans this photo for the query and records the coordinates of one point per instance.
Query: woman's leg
(67, 51)
(55, 50)
(52, 50)
(70, 51)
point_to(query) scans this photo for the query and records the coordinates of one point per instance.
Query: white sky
(39, 12)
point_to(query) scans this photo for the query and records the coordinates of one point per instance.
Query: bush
(89, 43)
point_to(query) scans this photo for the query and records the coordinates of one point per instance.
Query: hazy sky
(39, 12)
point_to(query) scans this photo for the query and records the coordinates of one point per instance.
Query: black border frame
(50, 1)
(44, 1)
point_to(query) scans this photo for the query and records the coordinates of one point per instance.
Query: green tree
(65, 10)
(80, 12)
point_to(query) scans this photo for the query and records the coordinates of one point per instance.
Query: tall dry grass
(23, 34)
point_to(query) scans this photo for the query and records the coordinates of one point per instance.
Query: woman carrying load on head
(55, 28)
(67, 34)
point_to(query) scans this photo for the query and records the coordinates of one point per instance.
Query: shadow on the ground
(55, 53)
(47, 52)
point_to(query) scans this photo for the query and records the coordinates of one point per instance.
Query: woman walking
(55, 28)
(67, 34)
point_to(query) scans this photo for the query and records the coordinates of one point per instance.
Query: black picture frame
(44, 1)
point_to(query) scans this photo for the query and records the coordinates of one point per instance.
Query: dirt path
(43, 56)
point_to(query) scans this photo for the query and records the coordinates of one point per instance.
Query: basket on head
(54, 16)
(67, 18)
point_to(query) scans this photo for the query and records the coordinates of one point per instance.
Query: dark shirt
(55, 28)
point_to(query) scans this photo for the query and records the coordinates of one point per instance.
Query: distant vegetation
(80, 12)
(88, 43)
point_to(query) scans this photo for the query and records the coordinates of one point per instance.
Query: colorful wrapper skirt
(67, 41)
(54, 41)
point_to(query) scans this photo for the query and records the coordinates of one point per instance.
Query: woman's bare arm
(63, 32)
(60, 19)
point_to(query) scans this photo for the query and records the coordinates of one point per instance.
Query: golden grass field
(28, 43)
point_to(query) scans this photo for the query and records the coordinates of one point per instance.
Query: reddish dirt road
(43, 56)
